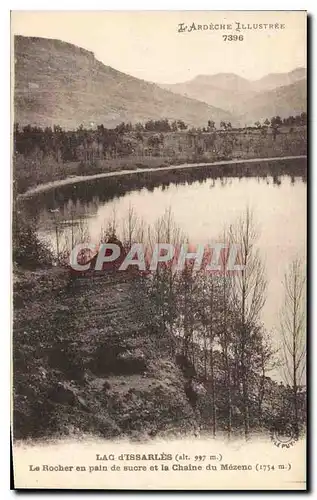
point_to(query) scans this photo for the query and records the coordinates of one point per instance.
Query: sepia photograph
(159, 250)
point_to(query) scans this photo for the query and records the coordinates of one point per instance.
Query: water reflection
(73, 210)
(202, 205)
(105, 189)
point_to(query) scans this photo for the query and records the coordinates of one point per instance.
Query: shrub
(28, 250)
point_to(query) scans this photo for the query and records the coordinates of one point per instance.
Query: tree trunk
(212, 377)
(245, 397)
(227, 363)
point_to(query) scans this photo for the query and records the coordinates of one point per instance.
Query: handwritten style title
(236, 26)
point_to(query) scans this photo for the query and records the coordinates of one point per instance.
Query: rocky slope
(60, 83)
(282, 101)
(281, 93)
(86, 361)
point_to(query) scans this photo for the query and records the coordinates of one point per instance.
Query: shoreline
(82, 178)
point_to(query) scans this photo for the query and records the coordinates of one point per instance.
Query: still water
(202, 209)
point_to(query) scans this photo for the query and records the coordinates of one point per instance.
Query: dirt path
(76, 179)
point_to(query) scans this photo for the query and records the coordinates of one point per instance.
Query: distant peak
(296, 71)
(220, 75)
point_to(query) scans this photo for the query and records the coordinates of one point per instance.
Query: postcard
(159, 233)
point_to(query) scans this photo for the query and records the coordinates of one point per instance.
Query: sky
(147, 44)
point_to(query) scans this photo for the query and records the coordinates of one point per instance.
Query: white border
(5, 209)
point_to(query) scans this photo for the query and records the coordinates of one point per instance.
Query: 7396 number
(232, 38)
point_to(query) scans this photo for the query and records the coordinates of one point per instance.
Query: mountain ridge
(57, 82)
(282, 101)
(293, 75)
(51, 74)
(237, 94)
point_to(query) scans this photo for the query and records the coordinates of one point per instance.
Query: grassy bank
(171, 148)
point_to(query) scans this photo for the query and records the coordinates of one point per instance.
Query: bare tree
(248, 293)
(163, 281)
(130, 224)
(187, 288)
(225, 337)
(293, 331)
(265, 361)
(208, 309)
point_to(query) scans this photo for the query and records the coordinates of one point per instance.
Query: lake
(202, 205)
